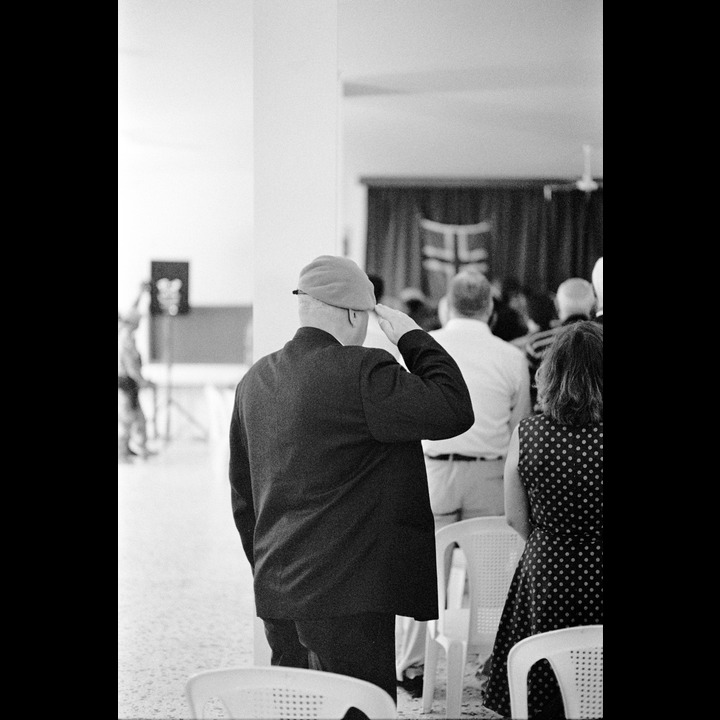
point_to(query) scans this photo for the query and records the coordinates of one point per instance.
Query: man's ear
(353, 317)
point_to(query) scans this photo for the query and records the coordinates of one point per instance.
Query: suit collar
(316, 336)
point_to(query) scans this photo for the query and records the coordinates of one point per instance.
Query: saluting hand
(394, 323)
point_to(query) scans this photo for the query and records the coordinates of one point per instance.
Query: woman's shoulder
(535, 420)
(540, 423)
(543, 421)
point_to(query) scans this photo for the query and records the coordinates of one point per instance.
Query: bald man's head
(575, 296)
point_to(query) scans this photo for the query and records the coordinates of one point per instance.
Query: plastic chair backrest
(284, 692)
(492, 550)
(576, 656)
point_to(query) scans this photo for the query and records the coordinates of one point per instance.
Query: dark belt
(456, 456)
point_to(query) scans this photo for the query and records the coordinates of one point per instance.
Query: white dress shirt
(498, 378)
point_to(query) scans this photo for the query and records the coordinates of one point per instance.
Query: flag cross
(455, 252)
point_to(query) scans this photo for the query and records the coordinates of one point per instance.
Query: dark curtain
(539, 242)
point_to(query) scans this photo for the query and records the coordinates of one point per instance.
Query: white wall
(296, 98)
(185, 162)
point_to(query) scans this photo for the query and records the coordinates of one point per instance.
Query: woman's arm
(517, 508)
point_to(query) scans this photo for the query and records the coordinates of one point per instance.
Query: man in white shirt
(465, 473)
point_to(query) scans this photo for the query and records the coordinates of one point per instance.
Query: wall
(185, 162)
(204, 335)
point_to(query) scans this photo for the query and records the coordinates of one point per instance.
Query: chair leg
(456, 659)
(456, 582)
(431, 660)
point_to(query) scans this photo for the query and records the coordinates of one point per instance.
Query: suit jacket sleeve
(431, 401)
(243, 508)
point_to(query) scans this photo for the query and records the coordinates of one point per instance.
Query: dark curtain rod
(436, 182)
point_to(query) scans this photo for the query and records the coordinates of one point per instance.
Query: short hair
(470, 293)
(570, 377)
(378, 285)
(310, 309)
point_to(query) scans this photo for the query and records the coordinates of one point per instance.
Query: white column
(296, 162)
(296, 166)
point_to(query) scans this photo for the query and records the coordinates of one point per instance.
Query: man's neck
(478, 318)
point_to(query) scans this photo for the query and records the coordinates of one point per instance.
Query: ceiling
(503, 87)
(443, 87)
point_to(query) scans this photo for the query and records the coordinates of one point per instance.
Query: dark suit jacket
(329, 490)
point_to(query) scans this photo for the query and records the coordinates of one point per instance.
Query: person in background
(443, 311)
(465, 472)
(597, 281)
(509, 319)
(554, 500)
(575, 301)
(542, 315)
(375, 336)
(419, 308)
(328, 483)
(132, 425)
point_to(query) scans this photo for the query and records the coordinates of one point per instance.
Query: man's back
(328, 475)
(497, 376)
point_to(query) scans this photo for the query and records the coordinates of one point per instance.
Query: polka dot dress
(559, 579)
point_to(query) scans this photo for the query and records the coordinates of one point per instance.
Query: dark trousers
(362, 646)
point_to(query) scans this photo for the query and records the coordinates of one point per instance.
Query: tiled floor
(184, 586)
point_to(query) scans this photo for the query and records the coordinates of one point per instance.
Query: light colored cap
(337, 281)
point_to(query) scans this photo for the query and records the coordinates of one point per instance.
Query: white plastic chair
(575, 655)
(492, 550)
(284, 692)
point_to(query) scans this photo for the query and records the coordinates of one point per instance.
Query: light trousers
(459, 490)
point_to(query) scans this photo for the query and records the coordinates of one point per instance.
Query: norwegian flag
(449, 248)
